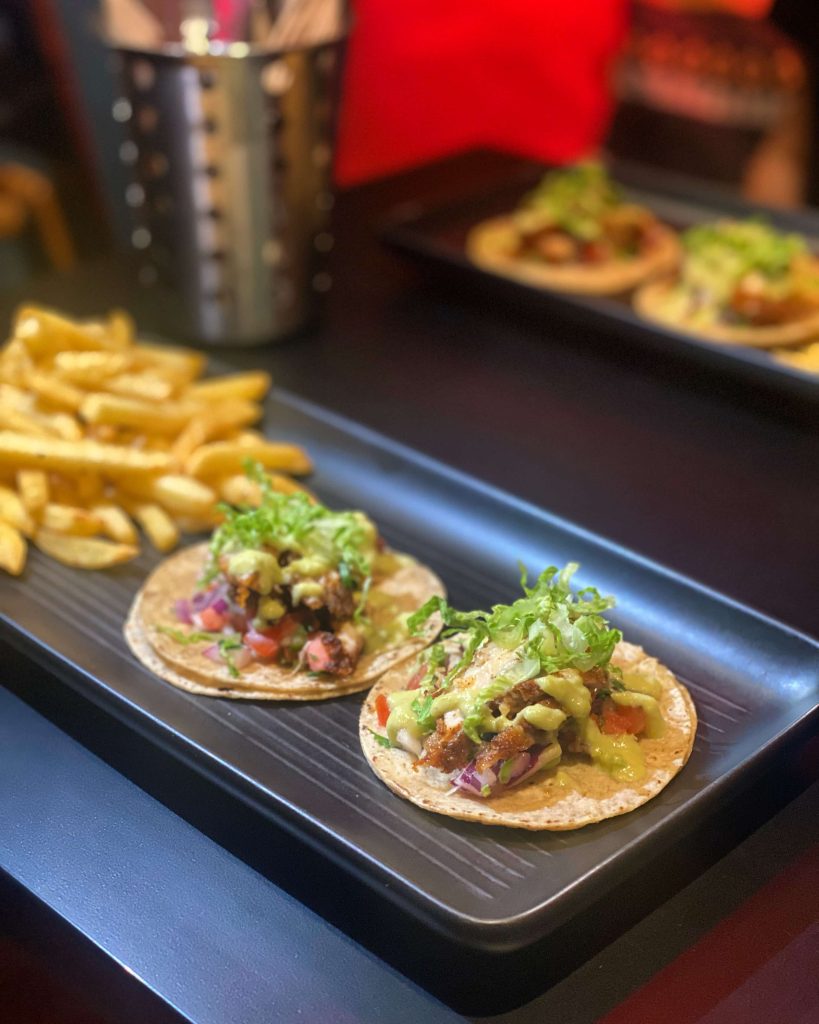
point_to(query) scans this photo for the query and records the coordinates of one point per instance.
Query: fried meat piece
(504, 745)
(447, 748)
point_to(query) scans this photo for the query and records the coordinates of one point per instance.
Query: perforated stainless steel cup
(230, 157)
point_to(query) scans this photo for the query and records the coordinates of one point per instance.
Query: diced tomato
(212, 620)
(318, 657)
(262, 646)
(382, 709)
(617, 719)
(282, 630)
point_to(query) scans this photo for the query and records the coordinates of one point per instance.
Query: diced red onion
(182, 608)
(525, 764)
(473, 781)
(220, 605)
(213, 652)
(242, 657)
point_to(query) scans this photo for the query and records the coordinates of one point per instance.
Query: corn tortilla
(187, 667)
(649, 302)
(574, 794)
(493, 244)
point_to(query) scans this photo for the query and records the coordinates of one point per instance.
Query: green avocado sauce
(559, 635)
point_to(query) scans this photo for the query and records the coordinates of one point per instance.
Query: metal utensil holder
(231, 159)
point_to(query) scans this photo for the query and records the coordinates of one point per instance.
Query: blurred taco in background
(534, 715)
(576, 233)
(288, 601)
(740, 282)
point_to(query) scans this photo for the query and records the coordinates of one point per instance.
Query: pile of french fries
(103, 435)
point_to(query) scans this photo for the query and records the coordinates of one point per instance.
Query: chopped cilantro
(382, 741)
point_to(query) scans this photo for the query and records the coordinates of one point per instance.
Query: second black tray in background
(434, 237)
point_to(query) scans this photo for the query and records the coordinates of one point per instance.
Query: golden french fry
(18, 450)
(25, 423)
(84, 552)
(12, 397)
(222, 458)
(54, 391)
(196, 433)
(144, 387)
(160, 529)
(65, 426)
(32, 485)
(183, 494)
(14, 512)
(168, 418)
(44, 332)
(88, 369)
(15, 363)
(88, 487)
(70, 519)
(115, 523)
(12, 549)
(236, 489)
(252, 385)
(195, 524)
(120, 329)
(286, 485)
(181, 365)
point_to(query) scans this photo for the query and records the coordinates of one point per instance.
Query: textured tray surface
(753, 682)
(437, 237)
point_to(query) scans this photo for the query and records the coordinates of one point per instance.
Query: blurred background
(721, 91)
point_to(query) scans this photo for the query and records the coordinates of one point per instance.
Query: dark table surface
(698, 473)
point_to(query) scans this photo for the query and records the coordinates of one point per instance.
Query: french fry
(115, 523)
(17, 450)
(120, 329)
(286, 485)
(15, 363)
(88, 369)
(12, 397)
(65, 426)
(25, 423)
(194, 524)
(222, 458)
(70, 519)
(181, 365)
(183, 495)
(168, 418)
(144, 387)
(12, 549)
(88, 487)
(14, 512)
(84, 552)
(32, 485)
(54, 391)
(159, 528)
(252, 386)
(44, 332)
(196, 433)
(97, 429)
(236, 489)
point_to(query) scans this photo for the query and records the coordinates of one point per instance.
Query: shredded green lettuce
(551, 627)
(576, 198)
(733, 248)
(293, 522)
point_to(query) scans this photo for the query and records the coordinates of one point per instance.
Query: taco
(575, 233)
(288, 601)
(741, 283)
(535, 715)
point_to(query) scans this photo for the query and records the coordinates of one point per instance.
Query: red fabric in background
(429, 77)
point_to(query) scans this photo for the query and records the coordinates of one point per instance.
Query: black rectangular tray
(435, 237)
(755, 683)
